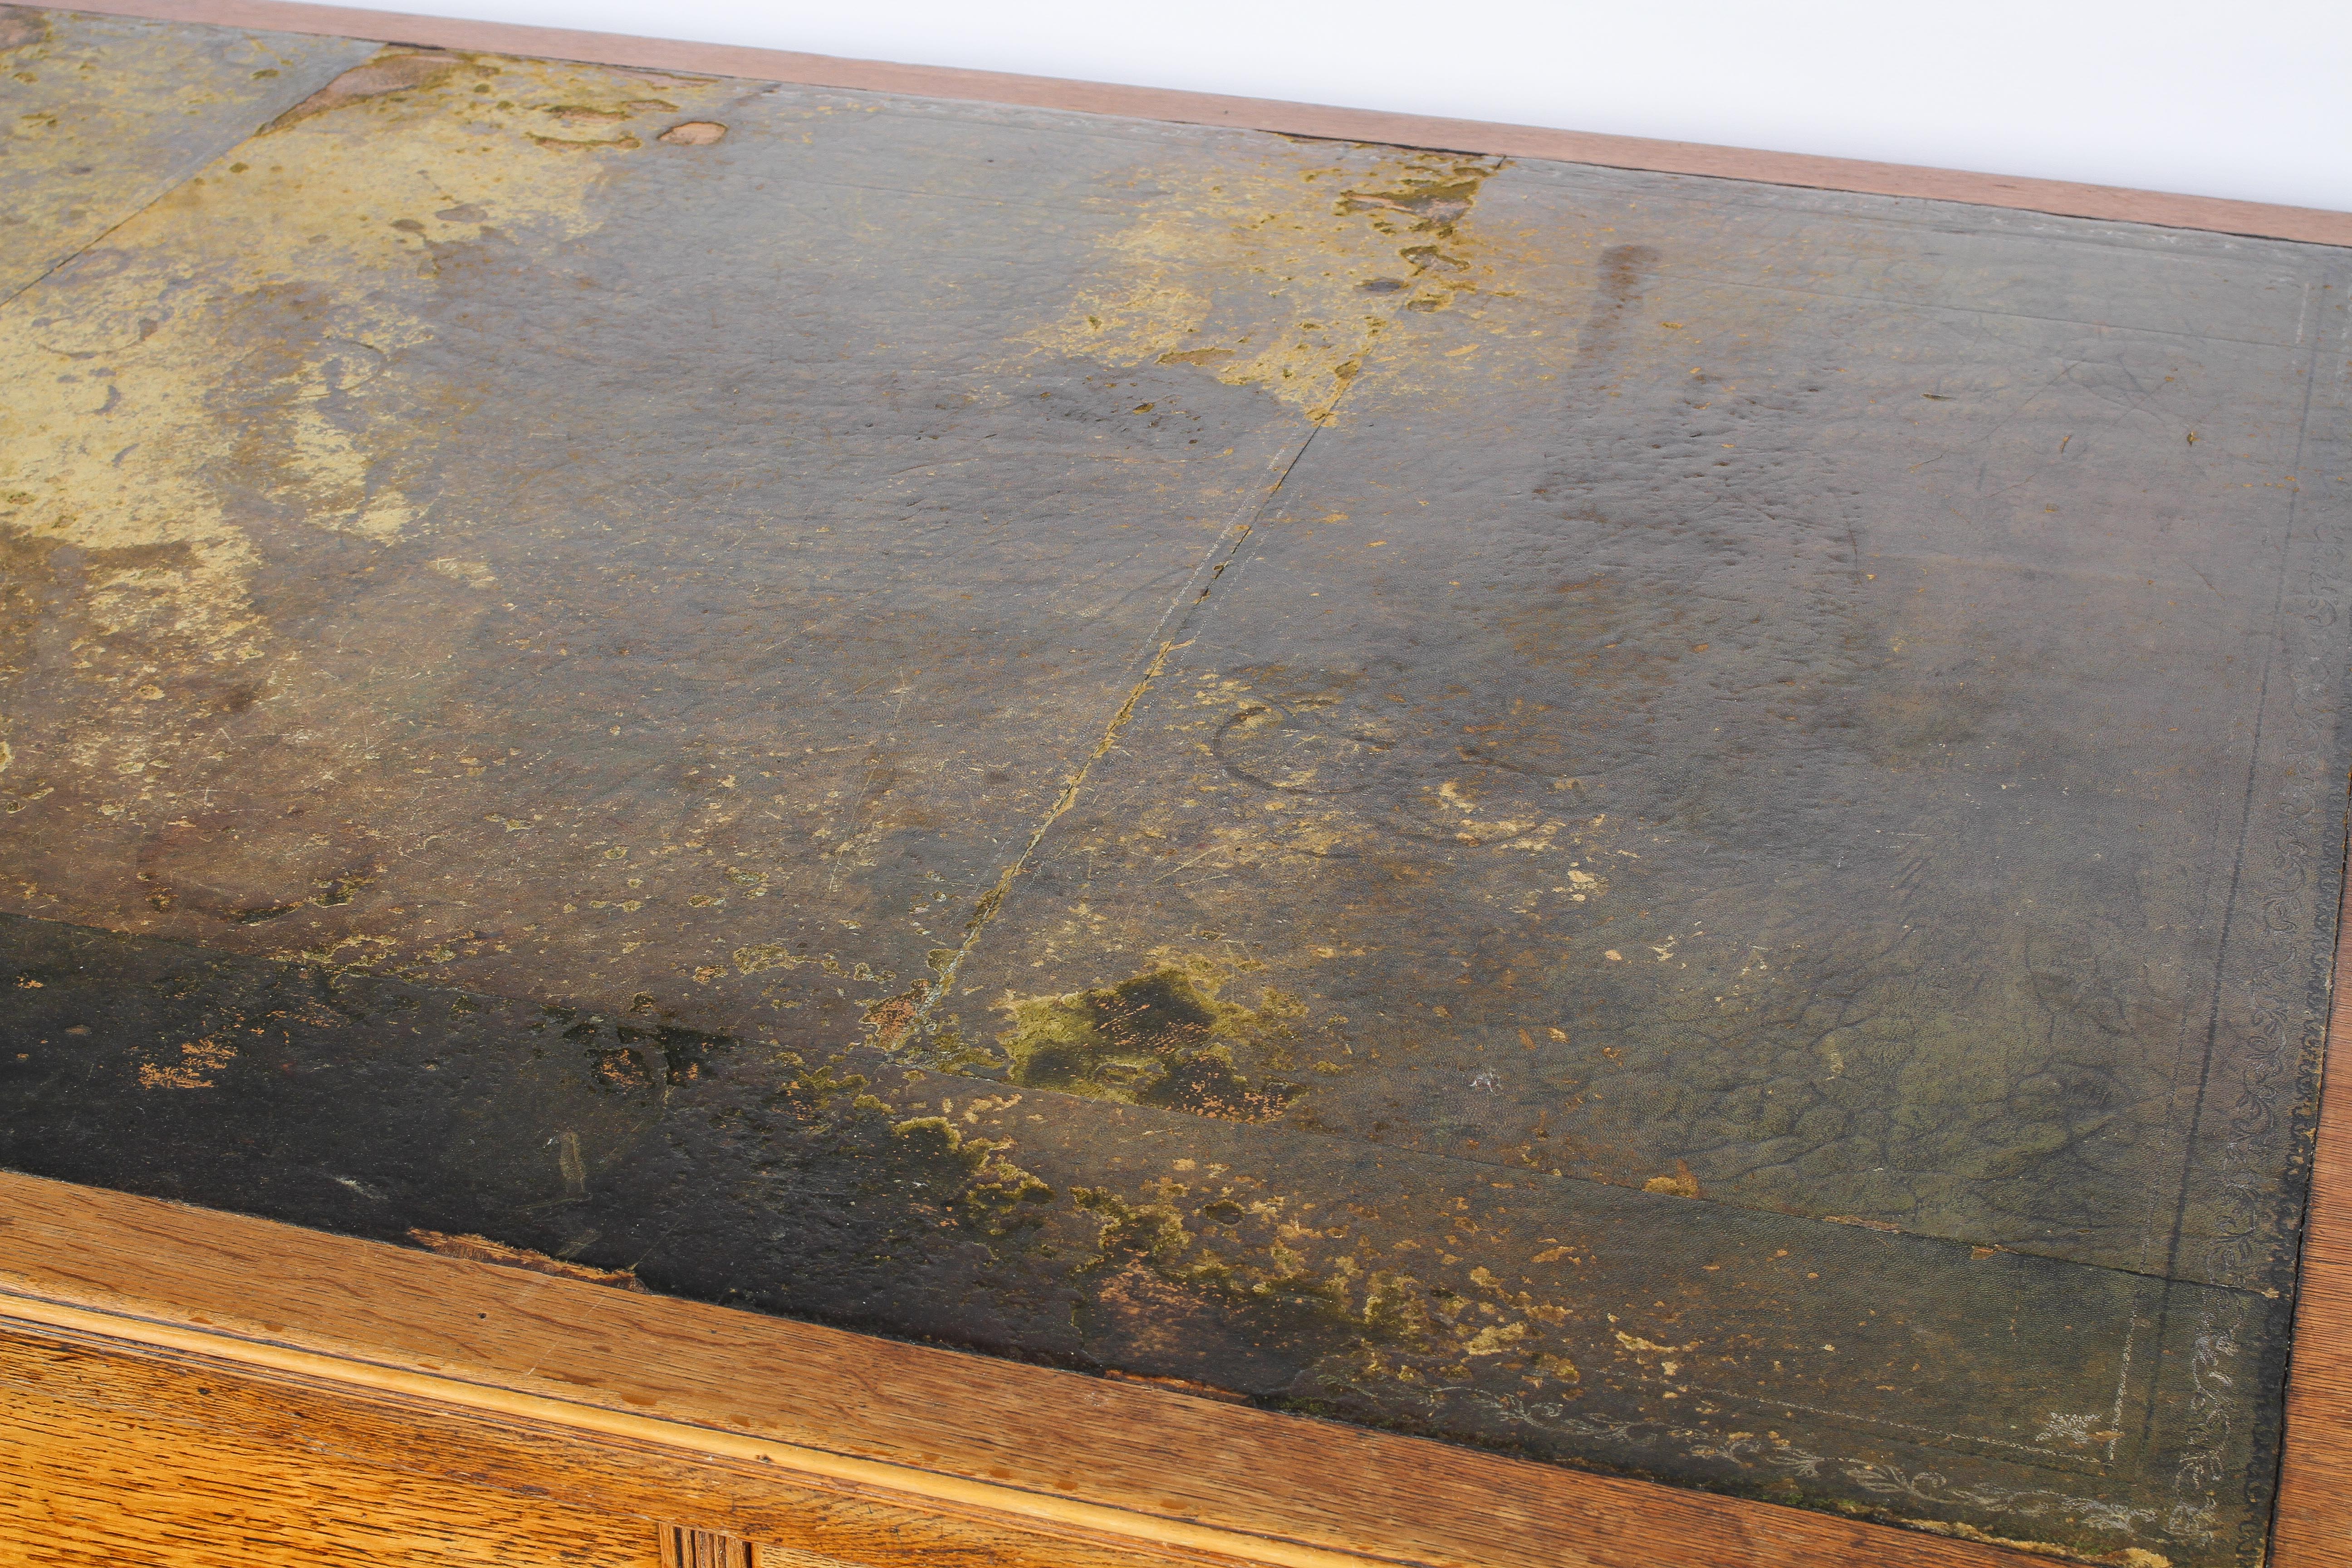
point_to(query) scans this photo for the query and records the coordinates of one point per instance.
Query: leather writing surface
(1661, 823)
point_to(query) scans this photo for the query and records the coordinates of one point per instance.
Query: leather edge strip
(2054, 197)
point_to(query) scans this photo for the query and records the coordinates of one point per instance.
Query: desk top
(1666, 823)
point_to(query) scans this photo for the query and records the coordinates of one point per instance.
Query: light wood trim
(936, 1429)
(122, 1453)
(2313, 1527)
(909, 1488)
(107, 1462)
(2055, 196)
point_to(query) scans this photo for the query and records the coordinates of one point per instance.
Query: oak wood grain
(941, 1433)
(106, 1468)
(142, 1458)
(2054, 197)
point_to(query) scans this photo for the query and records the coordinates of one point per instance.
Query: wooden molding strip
(2057, 197)
(1100, 1459)
(2312, 1526)
(911, 1486)
(125, 1451)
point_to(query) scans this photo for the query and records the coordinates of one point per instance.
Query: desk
(1509, 820)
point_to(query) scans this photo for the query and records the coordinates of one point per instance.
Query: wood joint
(684, 1546)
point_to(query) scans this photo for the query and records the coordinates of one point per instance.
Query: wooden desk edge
(2312, 1526)
(142, 1277)
(910, 1487)
(2056, 197)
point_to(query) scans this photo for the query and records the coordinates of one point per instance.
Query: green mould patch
(1163, 1037)
(996, 1195)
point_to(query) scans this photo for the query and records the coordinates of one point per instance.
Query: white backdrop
(2251, 98)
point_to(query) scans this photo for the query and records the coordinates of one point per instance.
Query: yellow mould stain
(1280, 275)
(625, 142)
(204, 396)
(767, 955)
(197, 1057)
(1495, 1340)
(206, 378)
(475, 575)
(1160, 1038)
(1681, 1185)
